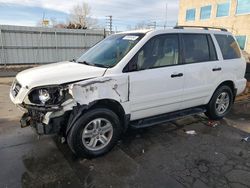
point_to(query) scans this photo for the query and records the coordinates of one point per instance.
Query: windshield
(111, 50)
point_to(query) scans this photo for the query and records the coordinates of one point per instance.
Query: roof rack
(203, 27)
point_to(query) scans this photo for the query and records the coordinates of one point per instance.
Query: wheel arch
(228, 83)
(116, 107)
(110, 104)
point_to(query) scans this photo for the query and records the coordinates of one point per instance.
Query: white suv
(137, 79)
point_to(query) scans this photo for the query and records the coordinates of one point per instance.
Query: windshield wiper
(93, 64)
(85, 63)
(101, 65)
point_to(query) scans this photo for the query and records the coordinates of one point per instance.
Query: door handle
(217, 69)
(176, 75)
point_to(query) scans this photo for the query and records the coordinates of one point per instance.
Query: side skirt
(159, 119)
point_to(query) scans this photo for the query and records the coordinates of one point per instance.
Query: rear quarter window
(228, 46)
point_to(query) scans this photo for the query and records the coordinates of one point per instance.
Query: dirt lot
(160, 156)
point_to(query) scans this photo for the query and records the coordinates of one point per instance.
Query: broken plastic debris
(83, 161)
(63, 140)
(91, 167)
(212, 123)
(138, 136)
(191, 132)
(246, 139)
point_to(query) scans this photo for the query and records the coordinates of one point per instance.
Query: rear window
(228, 46)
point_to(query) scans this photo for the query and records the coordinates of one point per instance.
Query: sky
(126, 14)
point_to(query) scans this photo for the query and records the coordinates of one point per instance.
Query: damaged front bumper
(35, 119)
(41, 128)
(46, 120)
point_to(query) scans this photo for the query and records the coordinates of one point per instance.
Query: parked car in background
(137, 79)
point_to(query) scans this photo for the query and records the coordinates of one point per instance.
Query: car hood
(58, 73)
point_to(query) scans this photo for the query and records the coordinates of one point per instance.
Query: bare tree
(138, 26)
(53, 21)
(80, 17)
(56, 24)
(141, 25)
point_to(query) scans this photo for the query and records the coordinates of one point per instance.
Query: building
(234, 15)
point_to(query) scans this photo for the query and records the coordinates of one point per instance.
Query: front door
(156, 86)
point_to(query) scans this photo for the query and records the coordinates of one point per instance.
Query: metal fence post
(85, 39)
(2, 52)
(57, 58)
(37, 51)
(104, 33)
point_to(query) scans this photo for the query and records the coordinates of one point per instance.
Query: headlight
(44, 95)
(50, 95)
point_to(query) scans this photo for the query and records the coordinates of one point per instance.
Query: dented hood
(58, 73)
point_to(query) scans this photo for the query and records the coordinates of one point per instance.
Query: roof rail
(203, 27)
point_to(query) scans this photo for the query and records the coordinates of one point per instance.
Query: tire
(213, 107)
(91, 126)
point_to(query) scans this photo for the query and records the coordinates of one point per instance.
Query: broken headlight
(44, 95)
(51, 95)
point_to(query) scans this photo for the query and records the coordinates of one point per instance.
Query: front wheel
(95, 133)
(220, 103)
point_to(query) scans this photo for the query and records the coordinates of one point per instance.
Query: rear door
(202, 69)
(233, 64)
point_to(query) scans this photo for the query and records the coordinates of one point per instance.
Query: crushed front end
(45, 108)
(49, 109)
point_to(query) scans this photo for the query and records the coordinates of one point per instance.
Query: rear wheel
(95, 133)
(220, 103)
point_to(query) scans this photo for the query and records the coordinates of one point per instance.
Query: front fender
(114, 88)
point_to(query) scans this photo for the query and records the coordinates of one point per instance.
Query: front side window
(111, 50)
(190, 15)
(228, 46)
(241, 39)
(198, 48)
(160, 51)
(222, 9)
(243, 7)
(205, 12)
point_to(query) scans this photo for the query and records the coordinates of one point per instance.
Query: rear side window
(228, 46)
(198, 48)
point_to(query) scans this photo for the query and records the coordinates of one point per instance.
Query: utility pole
(166, 14)
(45, 22)
(109, 23)
(154, 24)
